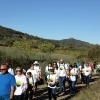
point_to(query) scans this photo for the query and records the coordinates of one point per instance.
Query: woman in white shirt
(34, 73)
(21, 84)
(51, 80)
(72, 80)
(47, 68)
(56, 72)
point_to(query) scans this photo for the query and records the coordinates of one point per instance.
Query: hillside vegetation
(17, 45)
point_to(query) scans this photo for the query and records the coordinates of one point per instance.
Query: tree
(94, 53)
(46, 47)
(25, 46)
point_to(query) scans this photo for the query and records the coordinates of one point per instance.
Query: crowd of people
(22, 85)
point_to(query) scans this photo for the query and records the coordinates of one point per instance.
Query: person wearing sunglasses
(7, 83)
(21, 84)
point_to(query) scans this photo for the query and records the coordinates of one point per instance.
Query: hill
(8, 36)
(75, 42)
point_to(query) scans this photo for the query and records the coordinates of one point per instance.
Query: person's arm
(67, 70)
(40, 74)
(12, 92)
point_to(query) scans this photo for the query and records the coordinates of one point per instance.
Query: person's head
(69, 62)
(51, 70)
(29, 74)
(19, 71)
(49, 64)
(74, 65)
(36, 63)
(61, 61)
(82, 66)
(32, 67)
(55, 65)
(70, 66)
(4, 69)
(87, 64)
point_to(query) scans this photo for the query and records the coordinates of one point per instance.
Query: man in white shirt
(62, 70)
(87, 73)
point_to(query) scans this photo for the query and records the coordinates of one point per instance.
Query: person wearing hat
(51, 80)
(38, 70)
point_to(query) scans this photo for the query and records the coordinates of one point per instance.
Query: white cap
(36, 62)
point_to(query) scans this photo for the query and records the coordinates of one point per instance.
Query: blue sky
(53, 19)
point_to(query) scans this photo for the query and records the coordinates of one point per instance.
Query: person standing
(87, 74)
(72, 80)
(7, 83)
(98, 69)
(21, 84)
(38, 69)
(47, 68)
(39, 73)
(31, 85)
(51, 80)
(62, 69)
(34, 73)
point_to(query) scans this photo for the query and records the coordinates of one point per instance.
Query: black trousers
(82, 78)
(18, 97)
(51, 94)
(29, 95)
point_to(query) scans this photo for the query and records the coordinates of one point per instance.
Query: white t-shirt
(52, 79)
(87, 71)
(76, 71)
(62, 69)
(71, 77)
(32, 80)
(11, 71)
(48, 67)
(38, 69)
(20, 81)
(34, 73)
(56, 72)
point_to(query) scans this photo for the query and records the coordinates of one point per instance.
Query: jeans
(87, 80)
(52, 93)
(72, 86)
(82, 78)
(62, 81)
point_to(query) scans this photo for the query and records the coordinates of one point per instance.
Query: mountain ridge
(10, 34)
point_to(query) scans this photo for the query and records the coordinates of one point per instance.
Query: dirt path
(41, 93)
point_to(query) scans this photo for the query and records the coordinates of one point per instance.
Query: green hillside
(9, 36)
